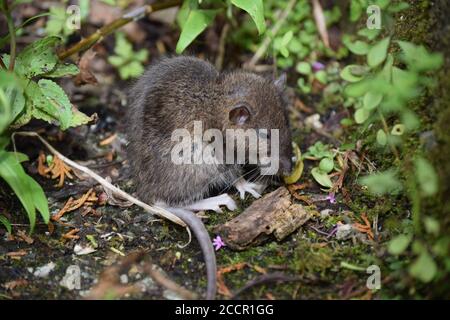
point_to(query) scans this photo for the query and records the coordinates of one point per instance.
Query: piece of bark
(274, 214)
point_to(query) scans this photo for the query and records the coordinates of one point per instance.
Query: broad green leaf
(326, 165)
(381, 183)
(78, 118)
(370, 34)
(117, 61)
(361, 115)
(39, 199)
(4, 221)
(39, 57)
(386, 73)
(397, 7)
(372, 100)
(424, 268)
(255, 8)
(353, 73)
(57, 97)
(356, 10)
(358, 89)
(418, 58)
(16, 99)
(426, 176)
(399, 244)
(130, 70)
(62, 70)
(5, 111)
(196, 22)
(12, 172)
(319, 151)
(287, 37)
(321, 177)
(123, 47)
(303, 68)
(432, 225)
(358, 47)
(184, 11)
(321, 76)
(377, 54)
(381, 137)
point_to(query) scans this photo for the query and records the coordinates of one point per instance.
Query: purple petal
(317, 66)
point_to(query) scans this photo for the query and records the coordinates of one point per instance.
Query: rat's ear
(239, 115)
(280, 83)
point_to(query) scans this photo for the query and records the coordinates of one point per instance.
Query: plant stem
(88, 42)
(12, 33)
(281, 19)
(386, 130)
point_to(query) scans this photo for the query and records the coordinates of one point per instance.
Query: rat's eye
(239, 115)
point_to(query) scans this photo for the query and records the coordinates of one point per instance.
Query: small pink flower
(317, 66)
(218, 243)
(331, 198)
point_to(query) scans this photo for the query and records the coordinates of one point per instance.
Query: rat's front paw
(255, 189)
(213, 204)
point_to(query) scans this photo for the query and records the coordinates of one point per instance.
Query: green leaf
(397, 7)
(39, 57)
(287, 37)
(361, 115)
(130, 70)
(4, 221)
(356, 10)
(319, 151)
(62, 70)
(399, 244)
(432, 225)
(303, 68)
(5, 111)
(117, 61)
(381, 137)
(382, 183)
(370, 34)
(358, 47)
(58, 98)
(418, 58)
(377, 54)
(321, 76)
(353, 73)
(79, 118)
(372, 100)
(12, 172)
(39, 199)
(184, 11)
(426, 177)
(321, 177)
(123, 47)
(255, 8)
(356, 90)
(196, 22)
(326, 165)
(424, 268)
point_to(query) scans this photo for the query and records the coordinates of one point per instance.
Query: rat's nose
(285, 166)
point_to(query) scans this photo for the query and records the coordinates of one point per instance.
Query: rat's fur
(172, 94)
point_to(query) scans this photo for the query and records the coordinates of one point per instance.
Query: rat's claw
(213, 204)
(254, 189)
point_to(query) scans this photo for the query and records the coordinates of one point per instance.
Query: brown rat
(172, 94)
